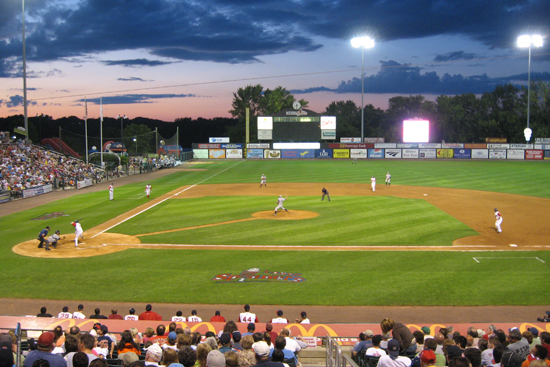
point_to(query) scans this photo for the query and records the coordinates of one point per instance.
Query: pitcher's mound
(283, 215)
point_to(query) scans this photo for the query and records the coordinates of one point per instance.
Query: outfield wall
(377, 151)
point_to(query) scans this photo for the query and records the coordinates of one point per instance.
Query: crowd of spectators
(23, 166)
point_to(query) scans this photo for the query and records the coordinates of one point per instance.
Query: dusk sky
(166, 59)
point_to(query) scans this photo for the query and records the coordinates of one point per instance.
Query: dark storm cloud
(135, 62)
(454, 56)
(135, 98)
(15, 101)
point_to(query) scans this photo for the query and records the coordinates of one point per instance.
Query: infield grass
(332, 278)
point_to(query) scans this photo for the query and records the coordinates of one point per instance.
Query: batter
(77, 232)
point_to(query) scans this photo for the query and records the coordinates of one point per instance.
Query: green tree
(347, 118)
(145, 139)
(402, 108)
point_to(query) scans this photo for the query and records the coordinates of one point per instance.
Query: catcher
(52, 240)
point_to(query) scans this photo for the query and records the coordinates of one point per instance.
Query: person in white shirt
(393, 359)
(279, 319)
(194, 317)
(303, 318)
(375, 350)
(65, 314)
(247, 316)
(179, 317)
(132, 316)
(291, 344)
(78, 314)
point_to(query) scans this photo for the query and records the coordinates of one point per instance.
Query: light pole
(363, 42)
(121, 117)
(526, 42)
(39, 116)
(135, 141)
(26, 119)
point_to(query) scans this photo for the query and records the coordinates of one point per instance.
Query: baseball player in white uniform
(373, 183)
(247, 317)
(148, 190)
(263, 180)
(498, 222)
(111, 192)
(388, 179)
(77, 232)
(65, 314)
(280, 202)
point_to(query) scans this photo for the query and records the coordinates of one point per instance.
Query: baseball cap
(225, 338)
(80, 307)
(237, 336)
(6, 340)
(279, 313)
(154, 349)
(393, 347)
(172, 335)
(251, 326)
(97, 325)
(247, 307)
(453, 351)
(65, 309)
(368, 333)
(261, 349)
(510, 359)
(425, 329)
(46, 338)
(427, 356)
(129, 357)
(534, 331)
(215, 359)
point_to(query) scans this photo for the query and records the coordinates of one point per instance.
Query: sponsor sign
(233, 153)
(20, 130)
(498, 146)
(547, 154)
(516, 154)
(209, 146)
(521, 146)
(275, 154)
(375, 140)
(258, 146)
(349, 145)
(87, 182)
(407, 145)
(358, 153)
(218, 140)
(542, 140)
(496, 140)
(200, 153)
(5, 196)
(323, 153)
(429, 145)
(497, 153)
(480, 153)
(534, 154)
(376, 153)
(255, 153)
(462, 153)
(445, 153)
(340, 153)
(298, 153)
(35, 191)
(452, 145)
(410, 153)
(542, 146)
(476, 146)
(392, 153)
(265, 134)
(385, 145)
(265, 122)
(328, 134)
(427, 153)
(254, 275)
(350, 140)
(328, 123)
(216, 153)
(232, 146)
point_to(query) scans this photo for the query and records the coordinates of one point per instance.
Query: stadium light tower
(26, 119)
(526, 42)
(121, 117)
(363, 42)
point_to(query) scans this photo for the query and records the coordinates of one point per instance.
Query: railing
(335, 356)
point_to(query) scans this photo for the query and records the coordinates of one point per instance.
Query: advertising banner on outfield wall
(480, 153)
(265, 134)
(445, 153)
(542, 140)
(323, 153)
(392, 153)
(410, 153)
(298, 153)
(232, 146)
(200, 153)
(385, 145)
(216, 153)
(516, 154)
(272, 154)
(497, 153)
(542, 146)
(547, 154)
(84, 183)
(35, 191)
(374, 140)
(255, 153)
(258, 146)
(462, 154)
(358, 153)
(407, 145)
(476, 146)
(498, 146)
(207, 146)
(350, 140)
(328, 134)
(496, 140)
(534, 154)
(427, 153)
(521, 146)
(429, 145)
(376, 153)
(340, 153)
(350, 145)
(234, 153)
(4, 197)
(452, 145)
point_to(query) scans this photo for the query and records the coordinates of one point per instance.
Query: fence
(335, 356)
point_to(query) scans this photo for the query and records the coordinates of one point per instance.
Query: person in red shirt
(114, 315)
(150, 315)
(217, 317)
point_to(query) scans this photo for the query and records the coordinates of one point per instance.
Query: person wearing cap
(217, 317)
(518, 344)
(426, 330)
(42, 238)
(128, 358)
(536, 340)
(510, 359)
(52, 240)
(65, 314)
(179, 317)
(375, 350)
(194, 317)
(427, 358)
(237, 337)
(171, 341)
(365, 342)
(225, 343)
(149, 314)
(393, 359)
(215, 359)
(132, 315)
(114, 315)
(247, 316)
(303, 318)
(153, 355)
(78, 314)
(279, 319)
(45, 346)
(44, 312)
(401, 333)
(262, 351)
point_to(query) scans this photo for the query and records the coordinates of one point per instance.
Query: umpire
(42, 237)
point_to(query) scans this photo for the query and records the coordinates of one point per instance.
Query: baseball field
(428, 239)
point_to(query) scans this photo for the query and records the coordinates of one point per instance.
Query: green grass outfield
(331, 278)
